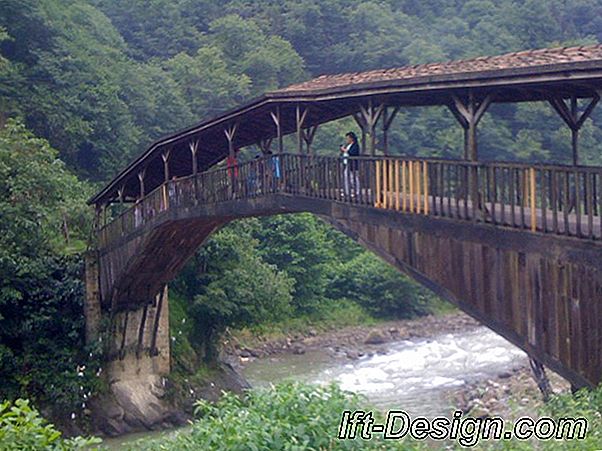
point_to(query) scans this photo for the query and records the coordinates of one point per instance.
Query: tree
(43, 217)
(232, 286)
(380, 289)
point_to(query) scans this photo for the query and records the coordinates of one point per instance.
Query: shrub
(381, 289)
(289, 416)
(22, 427)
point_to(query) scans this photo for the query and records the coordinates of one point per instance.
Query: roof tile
(523, 59)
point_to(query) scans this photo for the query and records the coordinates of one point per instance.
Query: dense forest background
(85, 85)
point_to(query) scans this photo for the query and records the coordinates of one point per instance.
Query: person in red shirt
(232, 164)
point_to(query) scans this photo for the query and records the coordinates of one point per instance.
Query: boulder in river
(375, 337)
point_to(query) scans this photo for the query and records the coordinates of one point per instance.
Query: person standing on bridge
(351, 180)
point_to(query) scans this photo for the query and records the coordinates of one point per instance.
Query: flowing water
(414, 375)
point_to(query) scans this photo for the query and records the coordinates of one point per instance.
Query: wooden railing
(562, 200)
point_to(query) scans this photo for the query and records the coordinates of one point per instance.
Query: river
(415, 375)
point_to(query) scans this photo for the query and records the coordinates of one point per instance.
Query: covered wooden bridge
(516, 245)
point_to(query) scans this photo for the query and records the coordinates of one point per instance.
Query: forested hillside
(85, 85)
(100, 79)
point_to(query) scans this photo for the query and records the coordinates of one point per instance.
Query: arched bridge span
(529, 271)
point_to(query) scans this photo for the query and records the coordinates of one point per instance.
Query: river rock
(352, 354)
(375, 337)
(298, 349)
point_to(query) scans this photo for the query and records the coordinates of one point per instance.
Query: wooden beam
(308, 136)
(469, 113)
(230, 133)
(573, 118)
(300, 119)
(387, 121)
(165, 157)
(265, 145)
(278, 123)
(194, 146)
(141, 173)
(370, 117)
(159, 307)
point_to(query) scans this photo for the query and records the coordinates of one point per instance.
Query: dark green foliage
(298, 245)
(380, 289)
(42, 218)
(102, 78)
(22, 427)
(290, 270)
(230, 285)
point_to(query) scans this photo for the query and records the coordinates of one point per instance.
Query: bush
(289, 416)
(381, 289)
(22, 427)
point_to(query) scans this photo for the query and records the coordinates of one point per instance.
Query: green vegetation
(22, 427)
(43, 222)
(297, 416)
(289, 416)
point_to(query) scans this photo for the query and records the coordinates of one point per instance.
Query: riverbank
(511, 394)
(352, 342)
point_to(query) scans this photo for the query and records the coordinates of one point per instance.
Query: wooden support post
(194, 147)
(121, 194)
(141, 181)
(153, 345)
(104, 214)
(265, 145)
(541, 378)
(371, 116)
(141, 328)
(469, 113)
(308, 137)
(386, 123)
(572, 117)
(300, 119)
(230, 133)
(123, 335)
(532, 199)
(165, 157)
(359, 120)
(411, 184)
(385, 184)
(425, 182)
(396, 184)
(404, 185)
(377, 203)
(278, 123)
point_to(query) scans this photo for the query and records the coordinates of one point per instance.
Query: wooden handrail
(559, 199)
